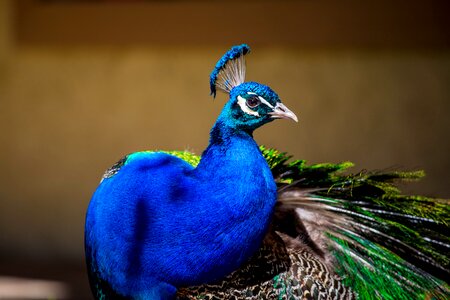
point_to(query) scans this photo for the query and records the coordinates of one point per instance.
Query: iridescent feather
(343, 236)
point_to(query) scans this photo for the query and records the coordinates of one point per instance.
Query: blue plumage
(156, 223)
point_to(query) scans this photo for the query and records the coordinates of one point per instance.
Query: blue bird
(156, 223)
(246, 222)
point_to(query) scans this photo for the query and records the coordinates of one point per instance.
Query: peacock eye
(253, 102)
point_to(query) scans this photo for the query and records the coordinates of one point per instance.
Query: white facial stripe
(241, 101)
(262, 100)
(265, 102)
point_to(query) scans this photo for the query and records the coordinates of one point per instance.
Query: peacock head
(251, 104)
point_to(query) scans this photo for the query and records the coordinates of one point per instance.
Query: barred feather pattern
(110, 172)
(282, 269)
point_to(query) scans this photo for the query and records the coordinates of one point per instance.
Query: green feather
(371, 269)
(187, 156)
(389, 232)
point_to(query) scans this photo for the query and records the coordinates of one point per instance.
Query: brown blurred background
(84, 82)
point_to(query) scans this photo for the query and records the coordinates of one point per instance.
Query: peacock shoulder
(154, 159)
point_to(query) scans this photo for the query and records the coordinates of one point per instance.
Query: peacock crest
(229, 71)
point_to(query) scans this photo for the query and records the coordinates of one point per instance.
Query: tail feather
(337, 235)
(384, 244)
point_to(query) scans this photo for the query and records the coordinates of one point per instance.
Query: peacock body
(242, 222)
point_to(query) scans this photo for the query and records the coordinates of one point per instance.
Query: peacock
(243, 221)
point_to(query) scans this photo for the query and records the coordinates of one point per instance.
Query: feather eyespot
(253, 101)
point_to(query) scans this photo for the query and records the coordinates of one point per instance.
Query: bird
(155, 223)
(242, 221)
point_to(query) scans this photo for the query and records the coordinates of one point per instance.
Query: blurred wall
(68, 110)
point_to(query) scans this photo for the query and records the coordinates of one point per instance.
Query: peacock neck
(222, 133)
(241, 198)
(228, 144)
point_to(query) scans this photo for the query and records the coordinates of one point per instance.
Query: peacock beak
(280, 111)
